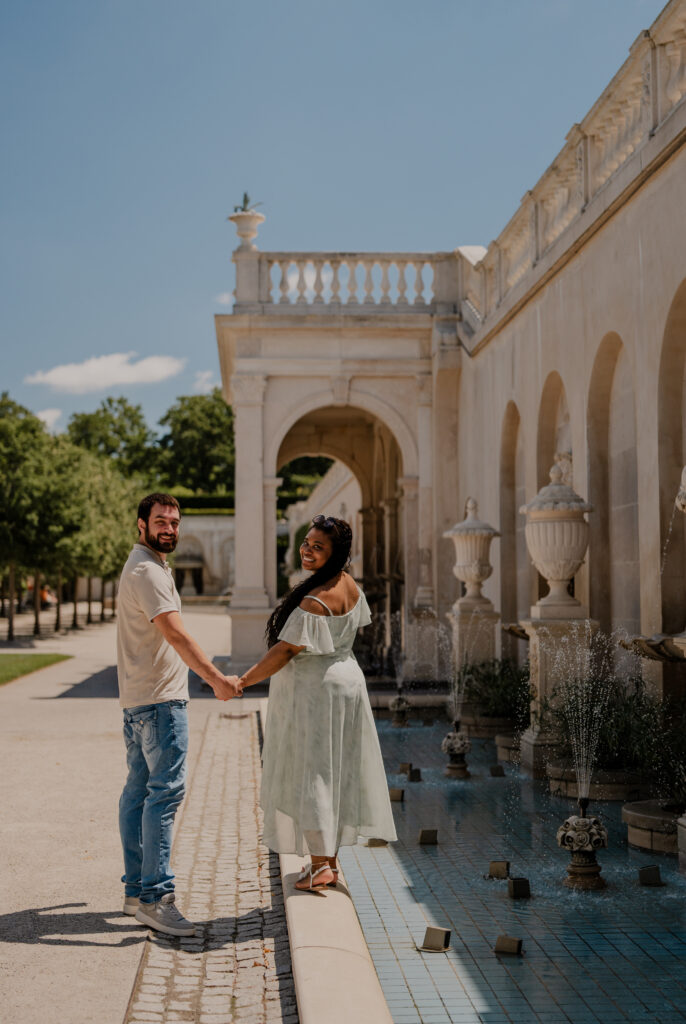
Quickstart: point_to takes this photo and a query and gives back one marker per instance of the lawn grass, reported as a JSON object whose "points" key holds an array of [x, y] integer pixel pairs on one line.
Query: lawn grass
{"points": [[14, 665]]}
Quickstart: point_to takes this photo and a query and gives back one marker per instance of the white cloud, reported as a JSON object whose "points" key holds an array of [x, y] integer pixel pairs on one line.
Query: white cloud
{"points": [[102, 372], [224, 299], [49, 417], [204, 381]]}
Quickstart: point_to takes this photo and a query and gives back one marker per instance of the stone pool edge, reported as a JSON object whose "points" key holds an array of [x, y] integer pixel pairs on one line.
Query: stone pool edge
{"points": [[335, 978]]}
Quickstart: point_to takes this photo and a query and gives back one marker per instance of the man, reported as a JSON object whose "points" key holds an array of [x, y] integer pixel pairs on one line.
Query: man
{"points": [[154, 652]]}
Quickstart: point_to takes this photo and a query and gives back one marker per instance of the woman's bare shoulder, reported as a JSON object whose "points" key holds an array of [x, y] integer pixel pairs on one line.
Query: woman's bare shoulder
{"points": [[314, 607]]}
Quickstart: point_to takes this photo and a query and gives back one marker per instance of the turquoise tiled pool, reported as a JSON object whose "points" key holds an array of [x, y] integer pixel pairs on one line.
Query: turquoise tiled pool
{"points": [[616, 955]]}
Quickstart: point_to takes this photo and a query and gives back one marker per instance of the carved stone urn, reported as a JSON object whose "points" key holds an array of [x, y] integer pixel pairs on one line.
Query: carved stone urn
{"points": [[472, 539], [557, 538], [582, 837], [456, 745], [247, 222]]}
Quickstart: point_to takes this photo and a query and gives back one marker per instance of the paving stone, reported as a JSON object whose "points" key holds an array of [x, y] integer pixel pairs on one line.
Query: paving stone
{"points": [[223, 874]]}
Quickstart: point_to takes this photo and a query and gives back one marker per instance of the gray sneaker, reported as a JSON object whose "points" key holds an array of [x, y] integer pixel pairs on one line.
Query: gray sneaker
{"points": [[164, 917], [131, 905]]}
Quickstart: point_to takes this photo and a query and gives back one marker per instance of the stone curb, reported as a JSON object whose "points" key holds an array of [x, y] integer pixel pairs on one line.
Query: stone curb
{"points": [[335, 978]]}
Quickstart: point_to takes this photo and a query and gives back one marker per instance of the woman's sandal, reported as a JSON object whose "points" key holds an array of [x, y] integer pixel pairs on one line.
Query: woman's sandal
{"points": [[308, 876]]}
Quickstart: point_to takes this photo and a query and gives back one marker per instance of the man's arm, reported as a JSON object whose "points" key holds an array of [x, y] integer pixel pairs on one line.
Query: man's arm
{"points": [[170, 625]]}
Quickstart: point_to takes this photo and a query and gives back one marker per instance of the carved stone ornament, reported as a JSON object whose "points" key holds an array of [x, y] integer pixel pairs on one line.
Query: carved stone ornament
{"points": [[582, 834], [248, 389], [456, 743], [582, 837], [341, 389]]}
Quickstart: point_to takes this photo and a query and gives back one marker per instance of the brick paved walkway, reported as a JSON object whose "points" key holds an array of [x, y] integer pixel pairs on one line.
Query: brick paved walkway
{"points": [[237, 968], [589, 958]]}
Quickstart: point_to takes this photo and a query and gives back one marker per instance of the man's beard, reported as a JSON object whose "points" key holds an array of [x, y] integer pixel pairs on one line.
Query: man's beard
{"points": [[165, 546]]}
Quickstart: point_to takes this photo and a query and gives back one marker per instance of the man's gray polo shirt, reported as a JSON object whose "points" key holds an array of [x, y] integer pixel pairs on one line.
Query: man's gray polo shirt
{"points": [[150, 671]]}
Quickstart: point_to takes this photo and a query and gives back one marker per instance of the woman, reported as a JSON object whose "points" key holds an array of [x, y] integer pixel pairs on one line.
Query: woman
{"points": [[323, 781]]}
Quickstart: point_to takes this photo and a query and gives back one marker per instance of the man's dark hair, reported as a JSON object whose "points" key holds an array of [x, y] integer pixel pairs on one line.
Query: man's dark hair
{"points": [[155, 499]]}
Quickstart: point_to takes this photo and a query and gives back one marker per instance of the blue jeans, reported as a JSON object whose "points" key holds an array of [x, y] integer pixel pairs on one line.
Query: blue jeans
{"points": [[156, 737]]}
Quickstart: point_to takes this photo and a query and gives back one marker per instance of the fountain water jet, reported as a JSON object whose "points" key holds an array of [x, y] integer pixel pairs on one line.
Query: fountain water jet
{"points": [[581, 669]]}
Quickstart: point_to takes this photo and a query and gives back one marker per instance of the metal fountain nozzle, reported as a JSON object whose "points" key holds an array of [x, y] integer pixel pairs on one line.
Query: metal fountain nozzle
{"points": [[583, 803]]}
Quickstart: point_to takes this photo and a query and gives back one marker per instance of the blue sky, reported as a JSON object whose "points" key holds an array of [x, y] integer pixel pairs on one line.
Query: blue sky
{"points": [[131, 127]]}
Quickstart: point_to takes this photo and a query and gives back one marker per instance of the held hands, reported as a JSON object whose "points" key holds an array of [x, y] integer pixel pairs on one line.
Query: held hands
{"points": [[228, 688]]}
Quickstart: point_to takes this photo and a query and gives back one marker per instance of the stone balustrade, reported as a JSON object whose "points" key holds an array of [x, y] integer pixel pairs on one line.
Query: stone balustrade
{"points": [[477, 283], [642, 96], [402, 280], [345, 283]]}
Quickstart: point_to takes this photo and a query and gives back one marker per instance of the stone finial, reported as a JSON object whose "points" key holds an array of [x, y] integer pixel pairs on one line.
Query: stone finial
{"points": [[247, 223]]}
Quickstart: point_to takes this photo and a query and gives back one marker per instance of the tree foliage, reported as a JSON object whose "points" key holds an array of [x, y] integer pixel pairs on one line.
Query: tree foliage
{"points": [[117, 429], [197, 450]]}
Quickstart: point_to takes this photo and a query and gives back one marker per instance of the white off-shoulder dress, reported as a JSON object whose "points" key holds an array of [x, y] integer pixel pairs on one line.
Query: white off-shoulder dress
{"points": [[323, 780]]}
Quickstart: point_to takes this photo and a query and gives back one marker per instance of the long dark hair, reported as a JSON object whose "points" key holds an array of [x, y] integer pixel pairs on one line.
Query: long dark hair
{"points": [[341, 538]]}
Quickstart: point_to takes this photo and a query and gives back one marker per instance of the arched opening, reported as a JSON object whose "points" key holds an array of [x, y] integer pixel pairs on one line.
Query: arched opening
{"points": [[613, 491], [515, 565], [370, 467], [554, 445], [554, 430], [672, 456]]}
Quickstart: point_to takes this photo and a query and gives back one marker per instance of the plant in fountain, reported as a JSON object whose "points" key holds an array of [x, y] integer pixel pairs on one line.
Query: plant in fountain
{"points": [[582, 667]]}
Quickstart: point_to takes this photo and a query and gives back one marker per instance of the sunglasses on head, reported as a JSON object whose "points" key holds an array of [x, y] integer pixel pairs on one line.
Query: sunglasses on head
{"points": [[326, 521]]}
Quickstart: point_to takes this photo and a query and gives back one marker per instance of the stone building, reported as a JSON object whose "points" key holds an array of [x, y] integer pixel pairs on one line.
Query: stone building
{"points": [[438, 376]]}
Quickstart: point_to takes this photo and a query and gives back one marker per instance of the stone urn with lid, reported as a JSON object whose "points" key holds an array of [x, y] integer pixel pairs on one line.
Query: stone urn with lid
{"points": [[472, 539], [557, 538]]}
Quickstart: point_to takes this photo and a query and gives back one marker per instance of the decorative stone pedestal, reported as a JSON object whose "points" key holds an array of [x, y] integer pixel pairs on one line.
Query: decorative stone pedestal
{"points": [[582, 837], [472, 617], [474, 624], [537, 747], [247, 635]]}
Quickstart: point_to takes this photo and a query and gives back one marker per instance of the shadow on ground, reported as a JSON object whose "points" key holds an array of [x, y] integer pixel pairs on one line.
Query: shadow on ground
{"points": [[102, 685], [43, 925]]}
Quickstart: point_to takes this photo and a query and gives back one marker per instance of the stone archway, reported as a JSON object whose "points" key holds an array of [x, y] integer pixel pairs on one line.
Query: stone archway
{"points": [[368, 448]]}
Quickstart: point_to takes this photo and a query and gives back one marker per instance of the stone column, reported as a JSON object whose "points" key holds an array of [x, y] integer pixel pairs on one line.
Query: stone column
{"points": [[424, 595], [369, 553], [249, 606], [390, 528], [270, 486]]}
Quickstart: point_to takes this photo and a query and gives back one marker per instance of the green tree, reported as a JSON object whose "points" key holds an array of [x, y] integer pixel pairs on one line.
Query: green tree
{"points": [[24, 470], [197, 450], [117, 429]]}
